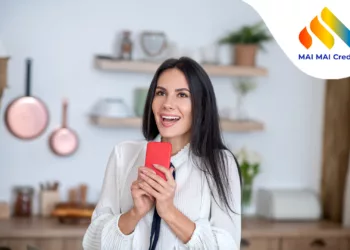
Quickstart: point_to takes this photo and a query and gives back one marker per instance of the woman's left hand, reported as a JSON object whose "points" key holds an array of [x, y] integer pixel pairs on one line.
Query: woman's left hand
{"points": [[163, 191]]}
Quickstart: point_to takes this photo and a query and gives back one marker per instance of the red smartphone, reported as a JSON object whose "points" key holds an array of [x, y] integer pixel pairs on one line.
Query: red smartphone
{"points": [[158, 153]]}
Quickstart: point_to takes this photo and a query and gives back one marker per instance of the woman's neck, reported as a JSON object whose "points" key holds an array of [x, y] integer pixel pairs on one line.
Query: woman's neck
{"points": [[177, 143]]}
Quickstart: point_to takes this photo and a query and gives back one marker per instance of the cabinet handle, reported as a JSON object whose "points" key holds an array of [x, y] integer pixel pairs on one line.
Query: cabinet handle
{"points": [[245, 243], [318, 243]]}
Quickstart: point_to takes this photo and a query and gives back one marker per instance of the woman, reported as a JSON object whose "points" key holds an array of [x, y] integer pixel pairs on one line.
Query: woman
{"points": [[198, 206]]}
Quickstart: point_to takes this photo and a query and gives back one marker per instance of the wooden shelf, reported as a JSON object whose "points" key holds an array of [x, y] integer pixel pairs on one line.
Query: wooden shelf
{"points": [[151, 67], [241, 126], [136, 122], [132, 122]]}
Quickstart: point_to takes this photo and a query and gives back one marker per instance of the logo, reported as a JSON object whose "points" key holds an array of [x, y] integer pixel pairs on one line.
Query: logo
{"points": [[317, 42], [322, 33]]}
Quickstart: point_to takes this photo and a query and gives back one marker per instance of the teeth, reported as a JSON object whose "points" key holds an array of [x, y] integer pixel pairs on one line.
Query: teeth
{"points": [[171, 117]]}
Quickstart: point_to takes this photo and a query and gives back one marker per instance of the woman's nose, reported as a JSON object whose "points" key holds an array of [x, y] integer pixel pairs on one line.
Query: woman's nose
{"points": [[168, 103]]}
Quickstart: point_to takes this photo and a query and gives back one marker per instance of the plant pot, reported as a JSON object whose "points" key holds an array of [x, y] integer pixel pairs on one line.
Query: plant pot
{"points": [[244, 54]]}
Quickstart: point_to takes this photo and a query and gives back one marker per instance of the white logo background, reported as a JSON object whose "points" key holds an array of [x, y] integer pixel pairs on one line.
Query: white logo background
{"points": [[285, 20]]}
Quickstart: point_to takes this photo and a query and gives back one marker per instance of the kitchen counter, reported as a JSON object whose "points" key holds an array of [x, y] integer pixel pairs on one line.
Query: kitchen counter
{"points": [[251, 227], [255, 227], [38, 227], [257, 234]]}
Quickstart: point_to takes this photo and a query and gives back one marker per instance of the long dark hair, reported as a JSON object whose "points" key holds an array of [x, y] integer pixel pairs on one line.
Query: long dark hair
{"points": [[205, 141]]}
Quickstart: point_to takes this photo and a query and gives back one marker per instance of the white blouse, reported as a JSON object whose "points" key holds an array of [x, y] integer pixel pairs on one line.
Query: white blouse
{"points": [[215, 228]]}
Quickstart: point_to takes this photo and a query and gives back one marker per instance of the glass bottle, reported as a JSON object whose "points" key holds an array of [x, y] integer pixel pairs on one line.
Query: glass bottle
{"points": [[126, 46], [23, 201]]}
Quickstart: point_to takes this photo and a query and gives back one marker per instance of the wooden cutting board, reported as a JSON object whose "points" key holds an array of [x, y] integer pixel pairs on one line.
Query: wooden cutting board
{"points": [[4, 210], [3, 75], [346, 210]]}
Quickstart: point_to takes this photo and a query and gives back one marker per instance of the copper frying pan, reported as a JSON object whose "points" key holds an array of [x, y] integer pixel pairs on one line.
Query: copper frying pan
{"points": [[26, 117], [64, 141]]}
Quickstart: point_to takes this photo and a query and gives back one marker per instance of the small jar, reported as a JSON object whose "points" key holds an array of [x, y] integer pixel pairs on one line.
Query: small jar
{"points": [[126, 46], [23, 201]]}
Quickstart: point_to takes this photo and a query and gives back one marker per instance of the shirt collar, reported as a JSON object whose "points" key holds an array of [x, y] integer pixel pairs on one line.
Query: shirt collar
{"points": [[180, 156]]}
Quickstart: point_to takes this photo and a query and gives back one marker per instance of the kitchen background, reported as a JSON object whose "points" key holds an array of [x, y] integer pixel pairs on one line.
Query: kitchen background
{"points": [[63, 37]]}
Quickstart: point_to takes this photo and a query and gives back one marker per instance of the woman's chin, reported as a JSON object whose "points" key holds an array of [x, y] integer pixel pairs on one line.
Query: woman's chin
{"points": [[170, 131], [167, 133]]}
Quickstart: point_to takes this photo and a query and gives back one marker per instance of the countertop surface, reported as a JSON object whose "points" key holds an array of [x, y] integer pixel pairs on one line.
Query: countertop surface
{"points": [[37, 227]]}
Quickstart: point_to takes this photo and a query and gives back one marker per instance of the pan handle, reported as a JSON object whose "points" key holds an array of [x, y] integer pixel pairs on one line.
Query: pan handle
{"points": [[28, 76], [64, 113]]}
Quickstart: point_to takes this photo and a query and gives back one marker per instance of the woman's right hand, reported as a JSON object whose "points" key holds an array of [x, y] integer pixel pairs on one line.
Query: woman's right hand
{"points": [[143, 202]]}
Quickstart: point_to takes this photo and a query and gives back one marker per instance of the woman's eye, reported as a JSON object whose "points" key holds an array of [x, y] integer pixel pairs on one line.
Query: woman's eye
{"points": [[183, 95], [159, 93]]}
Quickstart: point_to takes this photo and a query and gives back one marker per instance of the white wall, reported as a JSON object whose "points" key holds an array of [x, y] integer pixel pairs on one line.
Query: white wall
{"points": [[63, 36]]}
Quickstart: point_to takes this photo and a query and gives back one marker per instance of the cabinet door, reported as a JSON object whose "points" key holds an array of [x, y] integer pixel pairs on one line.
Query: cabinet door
{"points": [[322, 243], [4, 244], [259, 244], [42, 244], [50, 244], [73, 244], [22, 244]]}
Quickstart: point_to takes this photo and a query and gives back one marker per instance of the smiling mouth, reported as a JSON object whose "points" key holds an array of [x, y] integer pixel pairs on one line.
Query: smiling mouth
{"points": [[170, 118], [168, 121]]}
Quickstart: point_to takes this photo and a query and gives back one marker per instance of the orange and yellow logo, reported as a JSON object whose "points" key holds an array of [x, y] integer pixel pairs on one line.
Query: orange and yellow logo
{"points": [[322, 33]]}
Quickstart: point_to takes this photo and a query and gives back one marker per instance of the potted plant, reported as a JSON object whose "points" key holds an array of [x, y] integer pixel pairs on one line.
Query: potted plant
{"points": [[246, 41], [249, 162]]}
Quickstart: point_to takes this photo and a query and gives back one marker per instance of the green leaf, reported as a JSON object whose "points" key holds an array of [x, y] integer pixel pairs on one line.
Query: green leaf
{"points": [[254, 34]]}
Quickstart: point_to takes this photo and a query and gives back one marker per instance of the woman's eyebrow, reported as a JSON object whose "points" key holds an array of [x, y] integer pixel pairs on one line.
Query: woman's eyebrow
{"points": [[182, 89], [177, 90], [162, 88]]}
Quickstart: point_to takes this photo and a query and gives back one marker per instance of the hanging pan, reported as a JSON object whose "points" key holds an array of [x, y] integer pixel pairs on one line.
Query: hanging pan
{"points": [[26, 117], [63, 141]]}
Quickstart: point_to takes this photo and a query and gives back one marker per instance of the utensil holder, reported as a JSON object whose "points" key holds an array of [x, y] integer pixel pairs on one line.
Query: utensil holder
{"points": [[48, 200]]}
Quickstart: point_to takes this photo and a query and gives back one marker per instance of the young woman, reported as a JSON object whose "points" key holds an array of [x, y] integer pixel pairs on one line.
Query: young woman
{"points": [[198, 206]]}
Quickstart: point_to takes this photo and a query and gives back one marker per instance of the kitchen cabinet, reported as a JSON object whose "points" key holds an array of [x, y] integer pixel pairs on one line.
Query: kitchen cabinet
{"points": [[259, 244], [40, 234], [299, 243], [311, 243], [42, 244], [257, 234]]}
